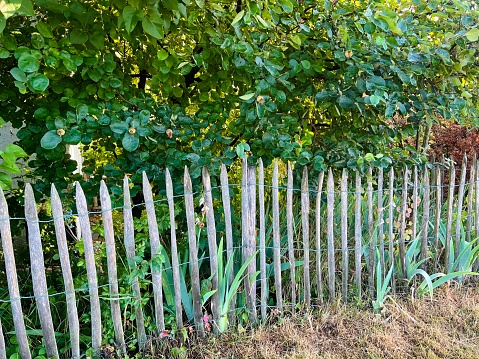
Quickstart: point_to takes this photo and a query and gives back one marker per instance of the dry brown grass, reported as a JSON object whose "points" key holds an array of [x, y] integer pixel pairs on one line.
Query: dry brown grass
{"points": [[446, 327]]}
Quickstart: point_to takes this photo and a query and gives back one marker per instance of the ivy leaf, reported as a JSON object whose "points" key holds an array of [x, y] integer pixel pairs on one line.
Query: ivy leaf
{"points": [[130, 142], [28, 63], [39, 82], [50, 140]]}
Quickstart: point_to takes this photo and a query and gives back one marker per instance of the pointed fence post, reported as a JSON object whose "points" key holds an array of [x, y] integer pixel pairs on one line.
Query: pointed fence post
{"points": [[358, 241], [90, 268], [372, 242], [402, 234], [72, 313], [450, 207], [470, 196], [129, 240], [391, 225], [276, 239], [262, 240], [319, 275], [213, 248], [344, 234], [425, 216], [193, 248], [460, 202], [174, 252], [305, 209], [331, 259], [40, 288], [381, 221], [155, 250], [106, 214], [290, 233], [3, 350], [12, 279]]}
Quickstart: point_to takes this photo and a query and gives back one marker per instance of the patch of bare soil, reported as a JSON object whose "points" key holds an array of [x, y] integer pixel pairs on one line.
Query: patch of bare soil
{"points": [[445, 327]]}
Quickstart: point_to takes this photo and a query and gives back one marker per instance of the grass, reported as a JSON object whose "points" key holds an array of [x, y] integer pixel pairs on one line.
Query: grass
{"points": [[445, 327]]}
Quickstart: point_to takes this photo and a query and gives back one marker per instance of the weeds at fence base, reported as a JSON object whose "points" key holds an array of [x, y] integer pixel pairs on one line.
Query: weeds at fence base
{"points": [[445, 327]]}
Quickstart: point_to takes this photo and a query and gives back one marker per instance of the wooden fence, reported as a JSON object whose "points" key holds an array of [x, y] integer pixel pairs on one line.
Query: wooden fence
{"points": [[358, 228]]}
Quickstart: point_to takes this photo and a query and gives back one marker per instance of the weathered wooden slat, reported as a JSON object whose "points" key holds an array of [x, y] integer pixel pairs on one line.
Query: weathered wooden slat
{"points": [[174, 251], [193, 249], [381, 221], [402, 234], [450, 204], [39, 280], [331, 259], [3, 349], [212, 246], [290, 233], [129, 240], [476, 210], [225, 196], [470, 197], [12, 279], [251, 243], [319, 274], [437, 212], [276, 239], [155, 250], [305, 210], [372, 242], [459, 209], [111, 264], [344, 234], [391, 225], [72, 313], [425, 216], [358, 241], [262, 240], [414, 213]]}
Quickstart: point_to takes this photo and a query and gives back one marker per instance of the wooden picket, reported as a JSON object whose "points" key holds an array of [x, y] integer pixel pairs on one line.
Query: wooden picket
{"points": [[375, 222]]}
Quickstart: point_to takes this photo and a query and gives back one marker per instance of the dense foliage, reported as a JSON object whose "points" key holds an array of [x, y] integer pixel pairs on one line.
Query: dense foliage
{"points": [[172, 83]]}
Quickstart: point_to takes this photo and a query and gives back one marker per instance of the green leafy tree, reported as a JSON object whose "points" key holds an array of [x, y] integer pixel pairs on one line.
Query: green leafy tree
{"points": [[174, 83]]}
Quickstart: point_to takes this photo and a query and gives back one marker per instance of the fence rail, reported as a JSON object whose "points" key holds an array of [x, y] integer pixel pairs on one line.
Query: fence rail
{"points": [[346, 231]]}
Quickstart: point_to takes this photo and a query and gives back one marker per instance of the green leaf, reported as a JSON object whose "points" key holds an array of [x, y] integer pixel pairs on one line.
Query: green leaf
{"points": [[3, 23], [39, 82], [130, 142], [4, 53], [78, 37], [306, 64], [162, 55], [115, 82], [16, 150], [5, 181], [119, 127], [45, 30], [472, 35], [18, 74], [345, 102], [247, 97], [9, 7], [26, 8], [280, 96], [238, 18], [72, 137], [374, 99], [50, 140], [28, 63], [151, 29], [130, 18]]}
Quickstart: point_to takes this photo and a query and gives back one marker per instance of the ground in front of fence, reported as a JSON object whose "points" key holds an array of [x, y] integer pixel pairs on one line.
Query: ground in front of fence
{"points": [[446, 327]]}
